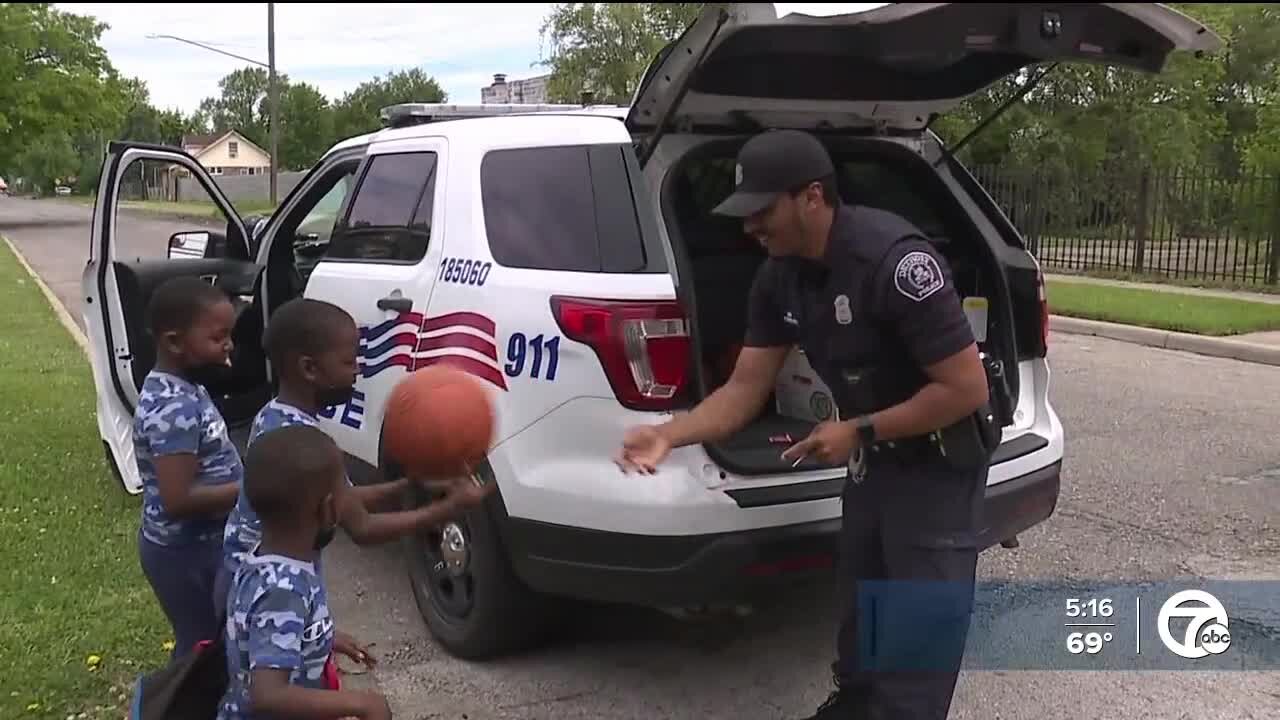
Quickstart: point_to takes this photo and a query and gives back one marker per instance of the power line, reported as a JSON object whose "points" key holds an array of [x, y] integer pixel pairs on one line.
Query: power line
{"points": [[210, 48]]}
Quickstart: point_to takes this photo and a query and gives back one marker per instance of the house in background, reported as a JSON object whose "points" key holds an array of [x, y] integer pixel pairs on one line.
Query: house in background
{"points": [[528, 91], [227, 153]]}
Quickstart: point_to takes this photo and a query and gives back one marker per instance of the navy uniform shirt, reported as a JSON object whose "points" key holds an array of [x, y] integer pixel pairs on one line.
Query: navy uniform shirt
{"points": [[871, 315], [881, 301]]}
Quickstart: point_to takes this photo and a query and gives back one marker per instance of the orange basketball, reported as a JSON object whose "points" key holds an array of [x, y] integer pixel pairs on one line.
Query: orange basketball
{"points": [[438, 421]]}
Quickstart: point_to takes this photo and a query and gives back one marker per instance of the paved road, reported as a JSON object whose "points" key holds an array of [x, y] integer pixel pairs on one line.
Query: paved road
{"points": [[1173, 468], [54, 236]]}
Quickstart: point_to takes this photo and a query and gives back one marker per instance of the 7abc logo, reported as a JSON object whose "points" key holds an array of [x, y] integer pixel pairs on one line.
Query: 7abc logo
{"points": [[1207, 627]]}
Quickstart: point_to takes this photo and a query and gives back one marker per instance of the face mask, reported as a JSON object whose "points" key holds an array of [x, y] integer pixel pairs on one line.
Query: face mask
{"points": [[334, 396], [209, 374]]}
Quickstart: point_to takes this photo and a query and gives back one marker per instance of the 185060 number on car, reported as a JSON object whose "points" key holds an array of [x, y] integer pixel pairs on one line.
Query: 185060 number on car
{"points": [[465, 272]]}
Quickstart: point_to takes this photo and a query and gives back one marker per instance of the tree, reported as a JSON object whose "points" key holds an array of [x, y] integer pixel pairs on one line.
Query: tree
{"points": [[1199, 110], [604, 48], [58, 85], [306, 126], [140, 122], [48, 159], [244, 104], [309, 123], [358, 111], [1249, 83]]}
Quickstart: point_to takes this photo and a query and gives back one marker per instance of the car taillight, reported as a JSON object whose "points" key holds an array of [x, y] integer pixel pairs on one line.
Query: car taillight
{"points": [[1043, 296], [643, 346]]}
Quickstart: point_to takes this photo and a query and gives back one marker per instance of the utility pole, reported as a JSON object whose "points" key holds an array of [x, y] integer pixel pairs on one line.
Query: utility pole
{"points": [[274, 91]]}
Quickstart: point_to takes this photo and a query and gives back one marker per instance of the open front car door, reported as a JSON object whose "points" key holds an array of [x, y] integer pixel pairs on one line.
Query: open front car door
{"points": [[141, 237]]}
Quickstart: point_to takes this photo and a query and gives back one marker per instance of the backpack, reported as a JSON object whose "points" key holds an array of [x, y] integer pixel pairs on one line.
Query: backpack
{"points": [[191, 687], [188, 688]]}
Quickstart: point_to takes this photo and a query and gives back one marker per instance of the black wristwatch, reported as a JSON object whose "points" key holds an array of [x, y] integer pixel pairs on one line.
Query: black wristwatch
{"points": [[866, 431]]}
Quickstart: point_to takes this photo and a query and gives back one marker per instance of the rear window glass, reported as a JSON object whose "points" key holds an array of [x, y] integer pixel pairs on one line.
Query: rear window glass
{"points": [[562, 208]]}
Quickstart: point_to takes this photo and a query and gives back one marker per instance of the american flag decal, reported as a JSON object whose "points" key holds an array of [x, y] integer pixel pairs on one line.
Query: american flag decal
{"points": [[466, 340]]}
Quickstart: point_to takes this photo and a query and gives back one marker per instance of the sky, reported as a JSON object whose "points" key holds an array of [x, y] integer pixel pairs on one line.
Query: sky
{"points": [[334, 47]]}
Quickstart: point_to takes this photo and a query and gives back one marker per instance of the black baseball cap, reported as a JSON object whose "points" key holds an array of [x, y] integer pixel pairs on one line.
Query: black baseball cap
{"points": [[772, 163]]}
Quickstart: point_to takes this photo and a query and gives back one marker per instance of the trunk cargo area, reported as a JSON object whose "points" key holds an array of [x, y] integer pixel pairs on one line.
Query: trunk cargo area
{"points": [[723, 261]]}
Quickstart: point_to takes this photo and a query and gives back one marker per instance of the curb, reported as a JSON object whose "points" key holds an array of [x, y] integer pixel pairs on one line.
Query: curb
{"points": [[1169, 340], [63, 316]]}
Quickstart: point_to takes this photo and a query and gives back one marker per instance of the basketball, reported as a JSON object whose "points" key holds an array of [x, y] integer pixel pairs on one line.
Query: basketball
{"points": [[438, 421]]}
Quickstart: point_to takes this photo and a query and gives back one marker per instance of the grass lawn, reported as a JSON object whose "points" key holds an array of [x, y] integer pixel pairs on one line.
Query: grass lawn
{"points": [[1182, 312], [189, 209], [244, 207], [79, 621]]}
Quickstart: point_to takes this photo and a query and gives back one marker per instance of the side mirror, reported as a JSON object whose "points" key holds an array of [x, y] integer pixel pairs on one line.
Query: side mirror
{"points": [[189, 245], [255, 224]]}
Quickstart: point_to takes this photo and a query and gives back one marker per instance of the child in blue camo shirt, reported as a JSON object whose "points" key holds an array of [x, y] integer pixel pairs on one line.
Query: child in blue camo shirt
{"points": [[313, 348], [190, 470], [279, 631]]}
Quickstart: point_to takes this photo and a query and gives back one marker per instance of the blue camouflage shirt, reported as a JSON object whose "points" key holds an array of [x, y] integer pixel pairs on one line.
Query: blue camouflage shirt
{"points": [[277, 618], [176, 416], [244, 529]]}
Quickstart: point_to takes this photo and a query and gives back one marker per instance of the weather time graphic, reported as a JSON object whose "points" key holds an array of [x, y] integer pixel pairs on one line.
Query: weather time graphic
{"points": [[1206, 626]]}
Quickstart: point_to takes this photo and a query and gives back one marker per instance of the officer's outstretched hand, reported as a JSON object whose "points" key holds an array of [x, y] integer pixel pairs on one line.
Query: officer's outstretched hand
{"points": [[643, 447], [830, 442]]}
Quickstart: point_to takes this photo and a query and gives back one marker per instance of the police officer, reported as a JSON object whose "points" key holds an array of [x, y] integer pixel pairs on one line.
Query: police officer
{"points": [[873, 306]]}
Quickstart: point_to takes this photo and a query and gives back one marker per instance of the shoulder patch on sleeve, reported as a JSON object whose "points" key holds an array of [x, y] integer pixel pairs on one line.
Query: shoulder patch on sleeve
{"points": [[918, 275]]}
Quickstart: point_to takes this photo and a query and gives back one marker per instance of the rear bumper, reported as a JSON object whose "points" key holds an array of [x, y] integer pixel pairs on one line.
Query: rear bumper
{"points": [[1018, 504], [680, 570]]}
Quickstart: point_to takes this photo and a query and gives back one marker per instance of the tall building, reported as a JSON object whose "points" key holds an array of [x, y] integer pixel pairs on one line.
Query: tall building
{"points": [[529, 91]]}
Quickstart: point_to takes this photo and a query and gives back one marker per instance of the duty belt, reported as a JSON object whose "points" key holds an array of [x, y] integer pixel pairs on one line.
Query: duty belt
{"points": [[906, 451]]}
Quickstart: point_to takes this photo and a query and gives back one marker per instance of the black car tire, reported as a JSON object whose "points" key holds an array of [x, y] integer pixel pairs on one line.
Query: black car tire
{"points": [[497, 614]]}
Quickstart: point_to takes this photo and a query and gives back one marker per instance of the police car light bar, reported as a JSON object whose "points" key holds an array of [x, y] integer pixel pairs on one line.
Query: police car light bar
{"points": [[409, 114]]}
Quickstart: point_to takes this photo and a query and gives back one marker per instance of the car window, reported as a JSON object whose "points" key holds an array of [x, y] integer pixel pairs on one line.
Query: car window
{"points": [[380, 223], [318, 224], [562, 208]]}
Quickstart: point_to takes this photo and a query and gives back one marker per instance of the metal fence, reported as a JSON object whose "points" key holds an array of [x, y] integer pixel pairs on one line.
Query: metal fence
{"points": [[1186, 224]]}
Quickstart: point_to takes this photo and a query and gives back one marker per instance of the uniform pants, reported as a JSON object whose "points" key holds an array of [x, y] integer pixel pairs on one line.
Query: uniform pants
{"points": [[182, 579], [907, 568]]}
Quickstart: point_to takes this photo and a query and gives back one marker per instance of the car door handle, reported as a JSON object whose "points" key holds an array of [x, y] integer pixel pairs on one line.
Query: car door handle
{"points": [[401, 304]]}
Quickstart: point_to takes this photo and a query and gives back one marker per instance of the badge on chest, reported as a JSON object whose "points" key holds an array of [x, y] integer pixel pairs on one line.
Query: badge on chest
{"points": [[844, 314]]}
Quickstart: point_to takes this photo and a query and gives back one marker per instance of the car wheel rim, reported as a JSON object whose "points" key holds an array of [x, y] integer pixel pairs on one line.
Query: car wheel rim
{"points": [[449, 578]]}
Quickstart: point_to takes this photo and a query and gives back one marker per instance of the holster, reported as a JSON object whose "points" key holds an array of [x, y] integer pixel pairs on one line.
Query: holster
{"points": [[964, 445], [999, 395], [969, 442]]}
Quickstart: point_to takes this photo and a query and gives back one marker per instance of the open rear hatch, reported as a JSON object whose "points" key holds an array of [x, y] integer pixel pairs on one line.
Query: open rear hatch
{"points": [[739, 68]]}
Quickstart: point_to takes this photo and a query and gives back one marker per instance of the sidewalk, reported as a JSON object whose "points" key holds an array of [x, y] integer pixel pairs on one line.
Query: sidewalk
{"points": [[1256, 347]]}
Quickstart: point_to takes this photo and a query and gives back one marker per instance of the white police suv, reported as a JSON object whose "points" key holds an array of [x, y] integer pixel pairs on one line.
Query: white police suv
{"points": [[567, 257]]}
